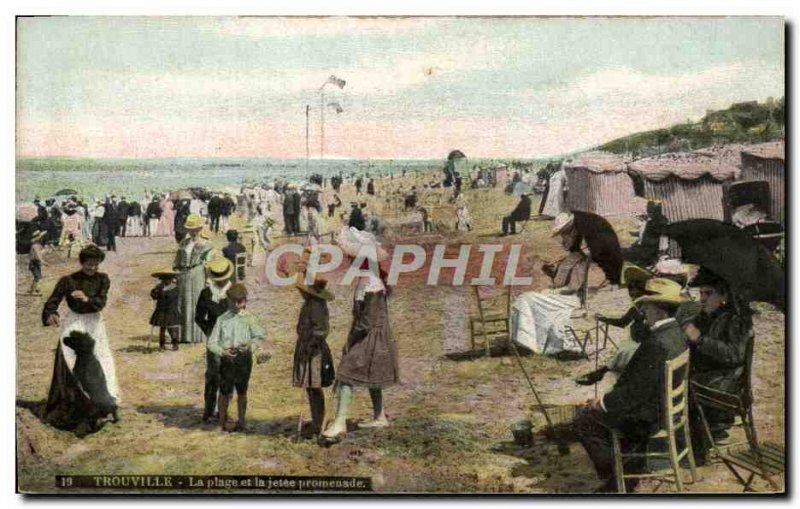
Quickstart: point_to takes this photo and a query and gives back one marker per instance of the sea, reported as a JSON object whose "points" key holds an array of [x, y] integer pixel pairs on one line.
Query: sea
{"points": [[94, 178]]}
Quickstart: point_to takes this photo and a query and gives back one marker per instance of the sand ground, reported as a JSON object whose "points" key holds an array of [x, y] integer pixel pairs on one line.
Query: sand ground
{"points": [[450, 416]]}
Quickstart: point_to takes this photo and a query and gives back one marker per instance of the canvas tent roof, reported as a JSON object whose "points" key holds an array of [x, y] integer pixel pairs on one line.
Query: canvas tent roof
{"points": [[598, 162], [683, 165], [769, 150]]}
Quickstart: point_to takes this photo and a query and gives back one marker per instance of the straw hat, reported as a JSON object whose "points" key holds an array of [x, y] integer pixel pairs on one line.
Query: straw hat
{"points": [[631, 272], [351, 240], [219, 269], [38, 234], [163, 274], [193, 222], [318, 289], [661, 291], [563, 221]]}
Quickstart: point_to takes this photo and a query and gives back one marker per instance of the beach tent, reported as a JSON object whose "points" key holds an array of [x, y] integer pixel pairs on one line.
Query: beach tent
{"points": [[598, 183], [766, 161], [689, 185]]}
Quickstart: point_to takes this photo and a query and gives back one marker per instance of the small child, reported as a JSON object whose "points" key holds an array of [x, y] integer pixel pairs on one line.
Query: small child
{"points": [[230, 251], [35, 261], [166, 316], [236, 334]]}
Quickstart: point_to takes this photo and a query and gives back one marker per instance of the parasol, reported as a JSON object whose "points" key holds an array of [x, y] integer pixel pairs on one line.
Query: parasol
{"points": [[66, 192], [602, 241], [456, 154], [748, 268]]}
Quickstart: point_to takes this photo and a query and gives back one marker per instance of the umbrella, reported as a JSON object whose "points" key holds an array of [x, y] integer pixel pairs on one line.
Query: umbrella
{"points": [[748, 268], [66, 192], [456, 154], [602, 241]]}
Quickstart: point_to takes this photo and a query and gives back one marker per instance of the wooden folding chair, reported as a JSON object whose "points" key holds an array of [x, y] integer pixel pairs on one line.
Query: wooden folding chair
{"points": [[490, 322], [675, 414], [764, 460]]}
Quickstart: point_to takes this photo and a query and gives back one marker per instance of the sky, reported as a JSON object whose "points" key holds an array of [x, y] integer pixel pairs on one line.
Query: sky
{"points": [[415, 87]]}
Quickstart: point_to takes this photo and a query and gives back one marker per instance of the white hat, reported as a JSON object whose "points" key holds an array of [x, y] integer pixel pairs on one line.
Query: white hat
{"points": [[563, 221], [351, 240]]}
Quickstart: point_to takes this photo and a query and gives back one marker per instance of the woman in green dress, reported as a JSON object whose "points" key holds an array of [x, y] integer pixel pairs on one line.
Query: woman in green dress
{"points": [[193, 252]]}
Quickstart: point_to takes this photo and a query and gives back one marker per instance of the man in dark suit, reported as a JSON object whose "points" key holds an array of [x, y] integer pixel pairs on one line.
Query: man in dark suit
{"points": [[633, 406], [291, 210], [522, 212], [122, 217], [226, 208], [153, 214], [111, 222], [214, 208]]}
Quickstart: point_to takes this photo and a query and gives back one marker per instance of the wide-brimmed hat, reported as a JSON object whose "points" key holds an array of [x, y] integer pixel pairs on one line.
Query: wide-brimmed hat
{"points": [[38, 234], [563, 221], [351, 240], [194, 222], [631, 272], [661, 291], [164, 274], [318, 289], [219, 269]]}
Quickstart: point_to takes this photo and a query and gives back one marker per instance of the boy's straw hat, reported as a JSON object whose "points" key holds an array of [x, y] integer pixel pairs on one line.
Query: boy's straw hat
{"points": [[631, 272], [193, 222], [219, 269], [563, 221]]}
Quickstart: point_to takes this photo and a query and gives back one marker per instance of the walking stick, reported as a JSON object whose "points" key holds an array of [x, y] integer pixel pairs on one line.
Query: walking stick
{"points": [[299, 419], [563, 447]]}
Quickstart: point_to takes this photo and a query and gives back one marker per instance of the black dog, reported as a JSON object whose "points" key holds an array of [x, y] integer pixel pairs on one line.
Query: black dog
{"points": [[89, 374]]}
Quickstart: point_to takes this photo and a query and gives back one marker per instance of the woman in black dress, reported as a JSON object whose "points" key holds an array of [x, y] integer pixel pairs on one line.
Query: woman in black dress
{"points": [[80, 394]]}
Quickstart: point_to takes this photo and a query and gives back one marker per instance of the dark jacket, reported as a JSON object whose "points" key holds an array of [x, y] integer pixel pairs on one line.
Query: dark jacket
{"points": [[153, 210], [95, 287], [634, 404], [214, 206], [230, 251], [313, 362], [522, 212], [166, 313], [718, 357], [227, 206], [207, 311], [357, 219], [134, 209]]}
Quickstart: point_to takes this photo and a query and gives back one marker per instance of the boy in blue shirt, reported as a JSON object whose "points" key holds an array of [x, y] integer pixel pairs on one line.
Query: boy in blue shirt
{"points": [[236, 334]]}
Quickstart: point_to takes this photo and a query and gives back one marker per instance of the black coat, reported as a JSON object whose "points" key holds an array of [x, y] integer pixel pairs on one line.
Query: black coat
{"points": [[357, 219], [153, 210], [167, 313], [522, 212], [214, 206], [227, 206], [718, 357], [207, 311], [89, 373], [134, 209], [634, 404]]}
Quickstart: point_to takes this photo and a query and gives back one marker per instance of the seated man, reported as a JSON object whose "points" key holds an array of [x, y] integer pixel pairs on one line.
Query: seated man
{"points": [[718, 339], [633, 406], [635, 278], [522, 212], [539, 318]]}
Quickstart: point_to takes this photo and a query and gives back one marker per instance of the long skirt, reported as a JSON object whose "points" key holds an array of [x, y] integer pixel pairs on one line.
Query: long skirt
{"points": [[68, 403], [190, 284], [540, 318]]}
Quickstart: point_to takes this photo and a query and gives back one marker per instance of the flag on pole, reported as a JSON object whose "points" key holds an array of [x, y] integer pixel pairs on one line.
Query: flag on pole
{"points": [[336, 106], [336, 81]]}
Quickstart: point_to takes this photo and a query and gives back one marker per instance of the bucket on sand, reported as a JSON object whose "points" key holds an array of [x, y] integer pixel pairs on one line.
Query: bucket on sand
{"points": [[523, 432]]}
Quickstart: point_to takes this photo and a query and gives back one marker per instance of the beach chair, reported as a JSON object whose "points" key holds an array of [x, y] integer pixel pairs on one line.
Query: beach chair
{"points": [[239, 266], [764, 460], [493, 318], [675, 414]]}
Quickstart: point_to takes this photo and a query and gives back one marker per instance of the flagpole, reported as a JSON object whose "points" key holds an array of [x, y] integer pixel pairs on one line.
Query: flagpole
{"points": [[322, 121], [308, 109]]}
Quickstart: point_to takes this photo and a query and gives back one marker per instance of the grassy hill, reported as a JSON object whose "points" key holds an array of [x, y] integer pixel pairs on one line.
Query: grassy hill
{"points": [[748, 122]]}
